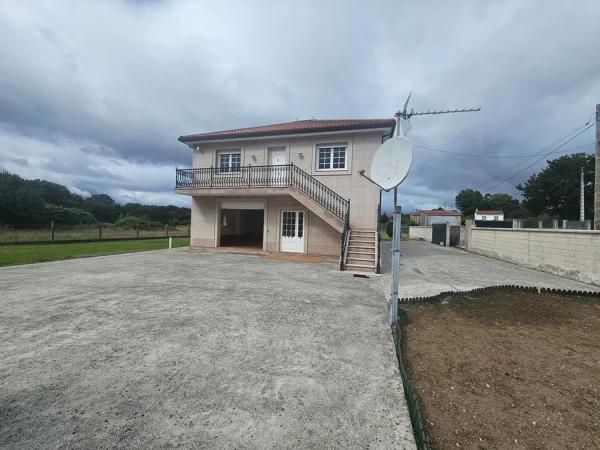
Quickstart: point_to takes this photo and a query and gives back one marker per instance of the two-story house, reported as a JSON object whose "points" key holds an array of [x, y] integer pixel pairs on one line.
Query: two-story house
{"points": [[290, 187]]}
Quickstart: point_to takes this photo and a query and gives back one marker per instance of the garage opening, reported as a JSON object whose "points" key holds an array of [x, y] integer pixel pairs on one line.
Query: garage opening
{"points": [[242, 228]]}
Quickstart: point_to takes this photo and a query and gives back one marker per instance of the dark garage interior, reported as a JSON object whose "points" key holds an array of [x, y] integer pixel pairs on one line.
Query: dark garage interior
{"points": [[242, 228]]}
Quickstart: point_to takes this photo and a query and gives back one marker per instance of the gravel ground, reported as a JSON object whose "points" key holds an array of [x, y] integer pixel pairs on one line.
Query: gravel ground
{"points": [[175, 348]]}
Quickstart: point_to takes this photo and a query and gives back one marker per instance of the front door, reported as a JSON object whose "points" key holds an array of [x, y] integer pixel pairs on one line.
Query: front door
{"points": [[277, 174], [292, 231]]}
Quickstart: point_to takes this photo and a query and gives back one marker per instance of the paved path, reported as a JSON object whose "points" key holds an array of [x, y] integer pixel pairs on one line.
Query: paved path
{"points": [[428, 269], [171, 348]]}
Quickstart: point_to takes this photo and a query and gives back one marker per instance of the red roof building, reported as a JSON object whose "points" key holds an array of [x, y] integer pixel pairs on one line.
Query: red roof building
{"points": [[291, 128]]}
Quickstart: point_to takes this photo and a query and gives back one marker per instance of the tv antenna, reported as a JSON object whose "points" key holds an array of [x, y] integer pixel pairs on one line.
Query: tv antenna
{"points": [[403, 116], [386, 168]]}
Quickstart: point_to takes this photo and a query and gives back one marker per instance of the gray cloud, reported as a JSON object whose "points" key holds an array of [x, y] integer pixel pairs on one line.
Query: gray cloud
{"points": [[94, 94]]}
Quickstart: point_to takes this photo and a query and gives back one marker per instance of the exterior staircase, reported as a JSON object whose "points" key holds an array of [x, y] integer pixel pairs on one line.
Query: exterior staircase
{"points": [[359, 248], [362, 251]]}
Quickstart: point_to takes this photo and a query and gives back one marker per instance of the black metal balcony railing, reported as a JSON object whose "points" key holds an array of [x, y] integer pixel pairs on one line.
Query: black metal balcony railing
{"points": [[287, 175]]}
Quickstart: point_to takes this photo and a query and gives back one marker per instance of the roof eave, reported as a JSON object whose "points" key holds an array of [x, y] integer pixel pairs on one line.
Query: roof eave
{"points": [[199, 139]]}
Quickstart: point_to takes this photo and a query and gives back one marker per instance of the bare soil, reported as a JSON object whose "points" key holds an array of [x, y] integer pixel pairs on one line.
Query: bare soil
{"points": [[509, 369]]}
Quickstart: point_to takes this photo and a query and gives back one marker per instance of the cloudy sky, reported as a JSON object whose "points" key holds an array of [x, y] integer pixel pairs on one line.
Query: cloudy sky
{"points": [[93, 94]]}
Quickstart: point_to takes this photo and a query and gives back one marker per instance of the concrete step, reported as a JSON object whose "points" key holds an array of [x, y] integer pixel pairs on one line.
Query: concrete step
{"points": [[361, 241], [360, 247], [361, 252], [355, 260], [361, 267]]}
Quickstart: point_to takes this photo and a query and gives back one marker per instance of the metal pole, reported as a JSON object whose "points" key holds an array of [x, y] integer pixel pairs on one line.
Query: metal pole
{"points": [[397, 218], [597, 181], [582, 198]]}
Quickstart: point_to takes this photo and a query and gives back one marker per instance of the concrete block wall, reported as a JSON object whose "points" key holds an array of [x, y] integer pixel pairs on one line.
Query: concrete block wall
{"points": [[420, 233], [573, 254]]}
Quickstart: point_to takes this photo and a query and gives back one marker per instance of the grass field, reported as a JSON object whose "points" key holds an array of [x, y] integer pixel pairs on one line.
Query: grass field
{"points": [[31, 253], [82, 233]]}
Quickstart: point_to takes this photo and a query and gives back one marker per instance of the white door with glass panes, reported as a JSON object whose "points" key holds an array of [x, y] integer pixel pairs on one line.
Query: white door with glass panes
{"points": [[292, 231], [277, 175]]}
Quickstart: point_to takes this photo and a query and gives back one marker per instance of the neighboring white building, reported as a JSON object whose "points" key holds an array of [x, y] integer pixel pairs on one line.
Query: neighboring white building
{"points": [[489, 214]]}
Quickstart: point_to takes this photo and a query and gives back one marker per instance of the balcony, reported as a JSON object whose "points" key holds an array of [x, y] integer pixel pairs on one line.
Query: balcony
{"points": [[286, 176]]}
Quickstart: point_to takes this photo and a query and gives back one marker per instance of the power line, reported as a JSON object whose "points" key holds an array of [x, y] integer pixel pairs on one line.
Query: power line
{"points": [[476, 155], [588, 122], [539, 159]]}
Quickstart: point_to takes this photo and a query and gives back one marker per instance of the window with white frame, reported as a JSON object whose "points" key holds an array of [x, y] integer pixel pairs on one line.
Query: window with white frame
{"points": [[229, 161], [332, 156]]}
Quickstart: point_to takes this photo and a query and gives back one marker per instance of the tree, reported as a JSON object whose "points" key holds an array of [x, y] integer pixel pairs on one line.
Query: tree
{"points": [[467, 201], [103, 207], [511, 207], [555, 189]]}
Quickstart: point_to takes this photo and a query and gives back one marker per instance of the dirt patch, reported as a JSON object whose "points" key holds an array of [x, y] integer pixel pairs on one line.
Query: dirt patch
{"points": [[507, 370]]}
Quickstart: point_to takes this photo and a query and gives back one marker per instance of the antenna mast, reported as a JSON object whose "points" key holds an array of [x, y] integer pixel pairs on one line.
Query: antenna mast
{"points": [[403, 126], [403, 116]]}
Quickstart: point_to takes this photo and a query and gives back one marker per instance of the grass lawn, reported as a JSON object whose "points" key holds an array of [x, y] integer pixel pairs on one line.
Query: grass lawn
{"points": [[30, 253], [384, 235]]}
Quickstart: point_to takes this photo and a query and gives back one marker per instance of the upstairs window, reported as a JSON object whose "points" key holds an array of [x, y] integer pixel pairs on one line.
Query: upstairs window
{"points": [[229, 161], [332, 157]]}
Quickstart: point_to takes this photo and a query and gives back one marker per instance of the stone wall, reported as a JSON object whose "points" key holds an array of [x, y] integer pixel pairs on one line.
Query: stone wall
{"points": [[572, 254], [420, 233]]}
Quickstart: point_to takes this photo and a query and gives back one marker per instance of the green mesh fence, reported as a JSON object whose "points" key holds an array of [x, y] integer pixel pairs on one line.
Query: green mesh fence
{"points": [[414, 411]]}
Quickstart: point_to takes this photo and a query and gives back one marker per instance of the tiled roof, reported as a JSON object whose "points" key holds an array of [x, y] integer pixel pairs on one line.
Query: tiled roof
{"points": [[440, 212], [297, 127]]}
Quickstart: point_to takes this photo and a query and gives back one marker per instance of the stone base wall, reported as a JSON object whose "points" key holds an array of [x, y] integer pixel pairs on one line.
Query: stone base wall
{"points": [[572, 254], [420, 233]]}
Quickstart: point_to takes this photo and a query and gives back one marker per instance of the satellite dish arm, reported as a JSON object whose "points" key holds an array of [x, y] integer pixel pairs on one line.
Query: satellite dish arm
{"points": [[362, 174]]}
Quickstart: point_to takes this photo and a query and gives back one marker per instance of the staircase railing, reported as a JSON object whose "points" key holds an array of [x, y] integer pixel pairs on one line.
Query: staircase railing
{"points": [[264, 176], [345, 239]]}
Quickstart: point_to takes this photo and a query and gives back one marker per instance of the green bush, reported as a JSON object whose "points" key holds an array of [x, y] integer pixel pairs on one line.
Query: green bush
{"points": [[389, 228], [63, 215], [129, 222]]}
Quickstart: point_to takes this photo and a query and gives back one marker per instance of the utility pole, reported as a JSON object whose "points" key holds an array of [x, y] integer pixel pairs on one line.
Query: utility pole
{"points": [[597, 176], [582, 197]]}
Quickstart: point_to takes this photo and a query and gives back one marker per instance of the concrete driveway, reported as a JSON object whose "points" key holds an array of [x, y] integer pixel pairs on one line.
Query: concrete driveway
{"points": [[171, 348], [428, 269]]}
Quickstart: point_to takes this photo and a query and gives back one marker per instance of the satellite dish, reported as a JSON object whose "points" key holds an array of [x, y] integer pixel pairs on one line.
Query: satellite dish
{"points": [[392, 162]]}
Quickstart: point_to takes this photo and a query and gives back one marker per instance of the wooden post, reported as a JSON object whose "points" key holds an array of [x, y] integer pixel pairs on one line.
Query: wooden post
{"points": [[100, 231], [137, 230], [597, 181], [167, 229], [52, 230], [190, 230]]}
